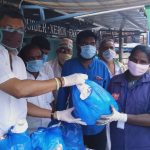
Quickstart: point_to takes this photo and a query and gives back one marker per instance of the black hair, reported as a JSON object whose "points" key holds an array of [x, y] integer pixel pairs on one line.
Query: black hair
{"points": [[41, 42], [10, 11], [25, 50], [85, 34], [142, 48]]}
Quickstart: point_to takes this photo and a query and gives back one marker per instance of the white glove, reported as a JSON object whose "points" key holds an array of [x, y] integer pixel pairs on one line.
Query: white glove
{"points": [[74, 79], [115, 116], [85, 90], [65, 115], [20, 127]]}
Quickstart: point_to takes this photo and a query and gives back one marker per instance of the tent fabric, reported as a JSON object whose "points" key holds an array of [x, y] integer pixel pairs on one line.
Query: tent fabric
{"points": [[88, 5]]}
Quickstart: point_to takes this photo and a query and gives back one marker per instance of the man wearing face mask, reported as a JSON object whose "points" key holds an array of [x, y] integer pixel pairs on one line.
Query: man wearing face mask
{"points": [[14, 85], [96, 70], [108, 55], [32, 57], [43, 44], [130, 128]]}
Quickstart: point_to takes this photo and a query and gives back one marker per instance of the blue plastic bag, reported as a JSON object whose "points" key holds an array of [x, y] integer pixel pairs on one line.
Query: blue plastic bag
{"points": [[16, 141], [72, 136], [47, 139], [4, 143], [19, 141], [96, 104]]}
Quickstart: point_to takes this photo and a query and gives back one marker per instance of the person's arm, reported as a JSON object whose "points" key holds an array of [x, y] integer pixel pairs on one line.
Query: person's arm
{"points": [[36, 111], [65, 115], [27, 88], [140, 120]]}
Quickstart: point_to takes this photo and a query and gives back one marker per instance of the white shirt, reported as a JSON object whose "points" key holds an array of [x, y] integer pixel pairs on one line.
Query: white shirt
{"points": [[11, 108], [42, 101], [52, 66], [119, 68]]}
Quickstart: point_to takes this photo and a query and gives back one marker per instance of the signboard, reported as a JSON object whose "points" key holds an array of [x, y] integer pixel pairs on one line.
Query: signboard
{"points": [[50, 29]]}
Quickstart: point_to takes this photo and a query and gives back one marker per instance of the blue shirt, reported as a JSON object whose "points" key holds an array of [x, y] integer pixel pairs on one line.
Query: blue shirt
{"points": [[131, 100], [96, 69]]}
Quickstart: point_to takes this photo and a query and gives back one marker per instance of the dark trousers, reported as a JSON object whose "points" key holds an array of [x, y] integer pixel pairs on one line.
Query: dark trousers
{"points": [[97, 142]]}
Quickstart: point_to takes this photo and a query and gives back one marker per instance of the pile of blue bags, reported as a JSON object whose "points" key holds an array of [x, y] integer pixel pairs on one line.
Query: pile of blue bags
{"points": [[64, 136], [96, 104]]}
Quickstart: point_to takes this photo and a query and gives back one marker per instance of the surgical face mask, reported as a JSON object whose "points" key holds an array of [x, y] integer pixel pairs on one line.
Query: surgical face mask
{"points": [[88, 51], [11, 38], [137, 69], [109, 55], [44, 58], [62, 57], [34, 65]]}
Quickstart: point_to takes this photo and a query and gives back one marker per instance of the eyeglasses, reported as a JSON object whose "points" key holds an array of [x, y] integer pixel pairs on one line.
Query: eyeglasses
{"points": [[9, 29], [64, 50]]}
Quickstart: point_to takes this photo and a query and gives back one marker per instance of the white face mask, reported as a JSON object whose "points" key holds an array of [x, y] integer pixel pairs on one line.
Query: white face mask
{"points": [[109, 54], [63, 57], [137, 69]]}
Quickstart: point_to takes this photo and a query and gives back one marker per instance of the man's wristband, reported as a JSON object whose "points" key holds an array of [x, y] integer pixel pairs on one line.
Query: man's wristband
{"points": [[53, 115]]}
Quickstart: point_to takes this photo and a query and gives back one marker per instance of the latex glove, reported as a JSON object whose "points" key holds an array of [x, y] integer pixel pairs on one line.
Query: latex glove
{"points": [[20, 127], [65, 115], [74, 79], [115, 116], [85, 90]]}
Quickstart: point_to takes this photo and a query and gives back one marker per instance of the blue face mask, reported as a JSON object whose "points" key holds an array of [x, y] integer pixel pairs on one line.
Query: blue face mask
{"points": [[88, 51], [44, 58], [109, 54], [34, 65]]}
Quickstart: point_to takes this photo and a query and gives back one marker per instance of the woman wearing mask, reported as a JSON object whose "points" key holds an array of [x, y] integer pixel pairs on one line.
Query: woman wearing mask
{"points": [[32, 56], [130, 128], [108, 55]]}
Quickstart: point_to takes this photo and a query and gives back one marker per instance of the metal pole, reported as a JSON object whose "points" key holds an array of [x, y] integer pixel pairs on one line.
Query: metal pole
{"points": [[120, 46]]}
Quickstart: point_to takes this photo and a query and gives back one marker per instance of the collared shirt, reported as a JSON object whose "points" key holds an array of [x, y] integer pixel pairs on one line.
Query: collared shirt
{"points": [[11, 108], [96, 70], [42, 101], [134, 100]]}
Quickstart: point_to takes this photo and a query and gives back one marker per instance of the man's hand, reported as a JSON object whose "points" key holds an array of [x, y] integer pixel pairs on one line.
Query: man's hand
{"points": [[74, 79], [65, 115], [115, 116]]}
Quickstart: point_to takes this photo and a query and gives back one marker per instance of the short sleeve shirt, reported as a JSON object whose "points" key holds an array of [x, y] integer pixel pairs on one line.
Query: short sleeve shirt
{"points": [[11, 108]]}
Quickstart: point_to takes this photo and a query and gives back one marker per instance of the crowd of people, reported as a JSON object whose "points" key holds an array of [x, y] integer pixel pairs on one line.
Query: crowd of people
{"points": [[37, 89]]}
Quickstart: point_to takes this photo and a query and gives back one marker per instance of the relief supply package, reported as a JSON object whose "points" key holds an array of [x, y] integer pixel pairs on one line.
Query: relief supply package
{"points": [[47, 139], [72, 136], [17, 138], [91, 101]]}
